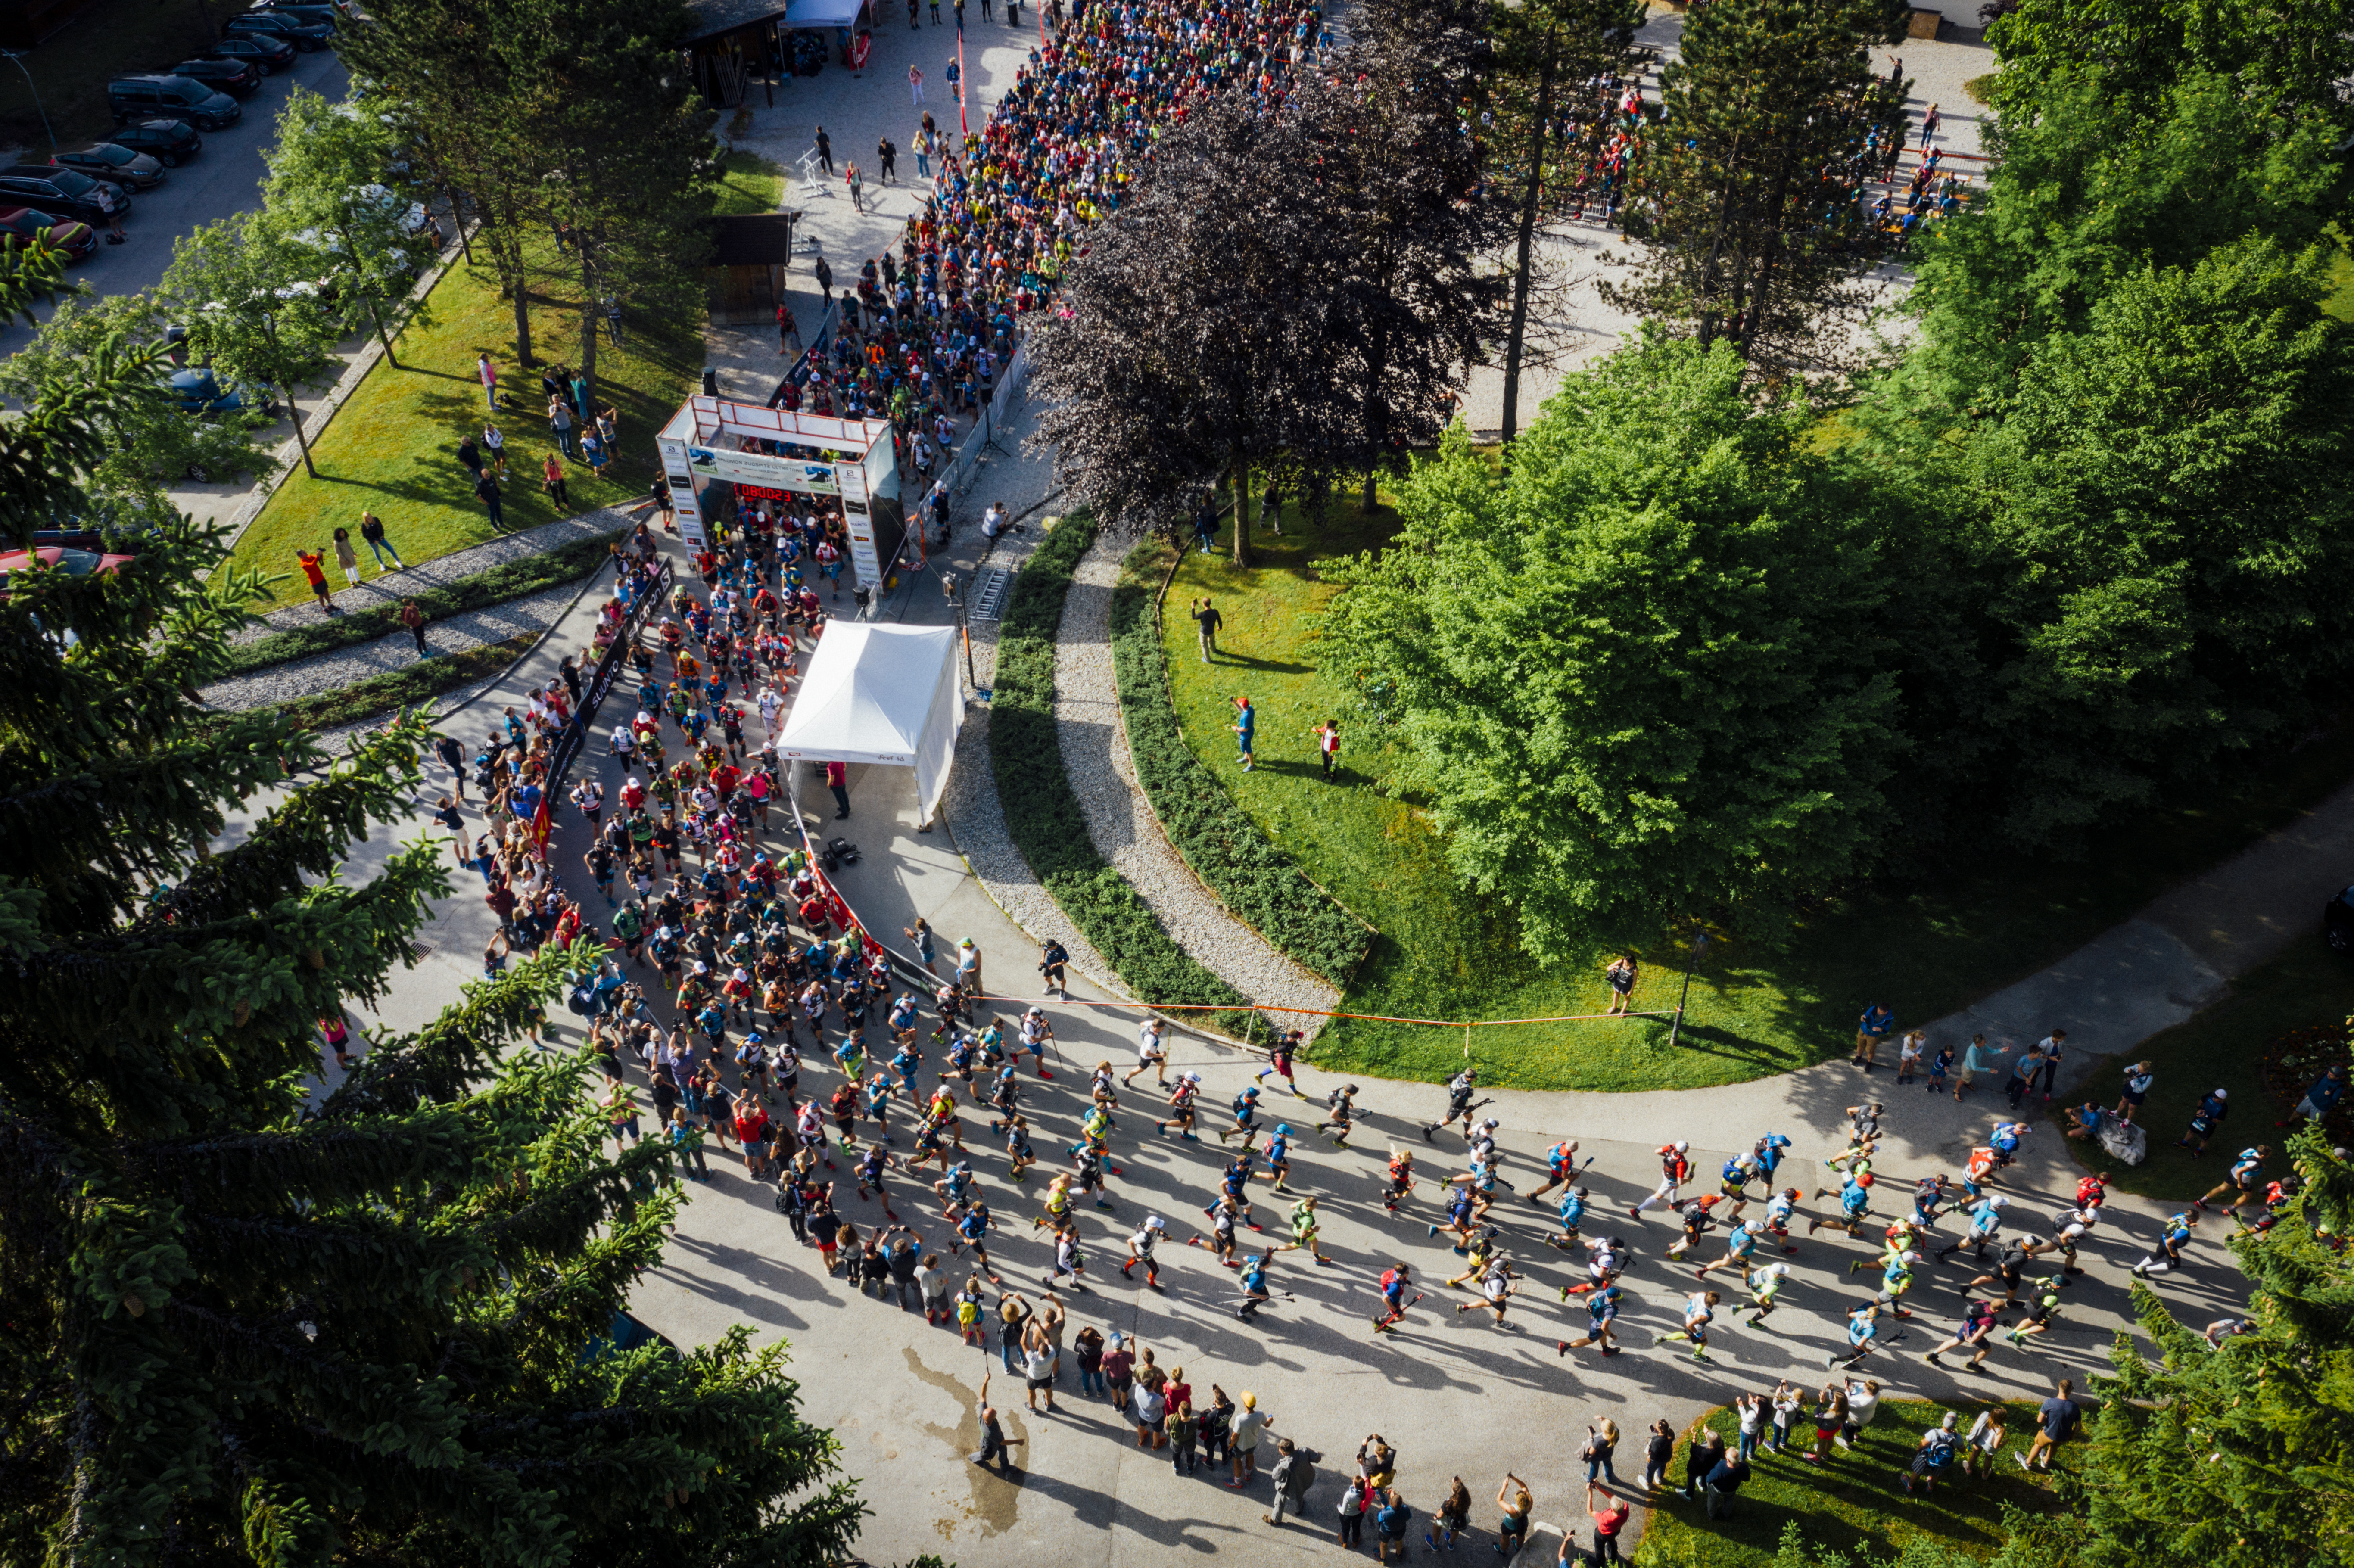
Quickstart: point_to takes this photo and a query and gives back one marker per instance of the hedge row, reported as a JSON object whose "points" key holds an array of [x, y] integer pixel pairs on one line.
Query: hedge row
{"points": [[404, 688], [510, 579], [1042, 812], [1257, 881]]}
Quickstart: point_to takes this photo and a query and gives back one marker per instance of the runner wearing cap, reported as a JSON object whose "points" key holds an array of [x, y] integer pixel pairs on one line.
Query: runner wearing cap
{"points": [[1181, 1107]]}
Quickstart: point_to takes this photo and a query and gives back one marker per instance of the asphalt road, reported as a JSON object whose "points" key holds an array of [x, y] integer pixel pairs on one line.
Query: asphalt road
{"points": [[225, 178]]}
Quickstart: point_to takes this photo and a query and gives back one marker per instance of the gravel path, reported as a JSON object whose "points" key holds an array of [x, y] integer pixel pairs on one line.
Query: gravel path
{"points": [[378, 589], [976, 820], [1120, 821], [342, 666]]}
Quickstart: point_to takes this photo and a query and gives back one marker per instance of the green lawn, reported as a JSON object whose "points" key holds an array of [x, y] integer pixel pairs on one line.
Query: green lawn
{"points": [[1854, 1503], [392, 448], [1924, 950], [2224, 1048]]}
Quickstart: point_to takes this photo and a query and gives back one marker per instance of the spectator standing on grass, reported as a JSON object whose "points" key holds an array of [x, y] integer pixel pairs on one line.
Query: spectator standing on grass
{"points": [[2319, 1101], [489, 376], [412, 616], [313, 564], [470, 455], [486, 491], [559, 420], [1206, 621], [347, 557], [552, 482], [372, 531], [494, 444]]}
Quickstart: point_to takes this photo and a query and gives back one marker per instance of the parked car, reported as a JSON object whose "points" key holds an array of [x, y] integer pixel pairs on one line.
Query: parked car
{"points": [[200, 391], [165, 141], [304, 36], [77, 563], [327, 17], [67, 192], [239, 78], [172, 97], [2338, 922], [76, 239], [267, 54], [114, 163]]}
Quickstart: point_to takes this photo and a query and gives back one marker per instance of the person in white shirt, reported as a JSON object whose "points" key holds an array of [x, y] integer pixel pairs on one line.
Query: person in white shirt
{"points": [[993, 522]]}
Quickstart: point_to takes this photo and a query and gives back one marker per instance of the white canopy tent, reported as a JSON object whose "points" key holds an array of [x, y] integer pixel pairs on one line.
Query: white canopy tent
{"points": [[821, 12], [881, 694]]}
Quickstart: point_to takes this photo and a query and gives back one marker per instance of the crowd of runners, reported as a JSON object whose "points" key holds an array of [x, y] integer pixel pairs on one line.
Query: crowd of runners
{"points": [[723, 983]]}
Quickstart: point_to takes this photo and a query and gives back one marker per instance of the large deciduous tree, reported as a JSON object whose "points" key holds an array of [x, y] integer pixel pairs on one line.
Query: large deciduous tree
{"points": [[326, 190], [1628, 678], [1396, 188], [1190, 342], [1747, 201], [2164, 532]]}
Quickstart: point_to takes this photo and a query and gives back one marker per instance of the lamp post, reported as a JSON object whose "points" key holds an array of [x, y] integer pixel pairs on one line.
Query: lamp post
{"points": [[1698, 945], [19, 55]]}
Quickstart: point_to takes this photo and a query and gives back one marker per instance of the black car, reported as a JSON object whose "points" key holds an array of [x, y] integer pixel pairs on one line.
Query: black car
{"points": [[326, 16], [69, 193], [165, 141], [2338, 922], [265, 53], [239, 78], [116, 163], [172, 97], [303, 35]]}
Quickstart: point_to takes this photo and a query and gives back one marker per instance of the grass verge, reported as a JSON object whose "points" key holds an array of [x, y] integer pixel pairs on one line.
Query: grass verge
{"points": [[421, 681], [392, 449], [748, 185], [2224, 1047], [510, 579], [1043, 815], [1225, 848], [1925, 949], [1854, 1504]]}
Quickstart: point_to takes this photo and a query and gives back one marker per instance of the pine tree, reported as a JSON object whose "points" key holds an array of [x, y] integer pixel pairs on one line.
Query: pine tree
{"points": [[1748, 196], [2207, 1457], [1556, 97], [243, 1325]]}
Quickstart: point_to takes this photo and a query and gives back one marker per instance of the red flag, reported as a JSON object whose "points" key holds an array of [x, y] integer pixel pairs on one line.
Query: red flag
{"points": [[964, 88]]}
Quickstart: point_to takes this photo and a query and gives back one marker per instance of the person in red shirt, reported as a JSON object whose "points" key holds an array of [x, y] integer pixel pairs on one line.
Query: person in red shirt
{"points": [[752, 1132], [725, 778], [634, 794], [313, 564], [837, 779], [1608, 1520]]}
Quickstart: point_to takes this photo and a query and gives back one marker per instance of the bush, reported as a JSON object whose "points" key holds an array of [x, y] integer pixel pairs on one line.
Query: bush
{"points": [[1225, 848], [1043, 815], [512, 579]]}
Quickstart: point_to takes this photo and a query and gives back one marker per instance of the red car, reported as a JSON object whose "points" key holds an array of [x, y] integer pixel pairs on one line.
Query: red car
{"points": [[79, 563], [76, 239]]}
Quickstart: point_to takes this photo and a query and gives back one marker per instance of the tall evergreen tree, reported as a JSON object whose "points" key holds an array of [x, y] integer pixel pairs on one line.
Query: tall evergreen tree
{"points": [[1745, 239], [244, 1325], [613, 117], [1555, 92], [2236, 1457]]}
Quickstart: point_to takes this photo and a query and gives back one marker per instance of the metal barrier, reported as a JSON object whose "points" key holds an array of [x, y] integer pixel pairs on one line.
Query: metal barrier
{"points": [[600, 682]]}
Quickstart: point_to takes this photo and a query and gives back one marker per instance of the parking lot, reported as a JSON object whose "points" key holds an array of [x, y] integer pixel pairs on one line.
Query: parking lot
{"points": [[226, 178]]}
